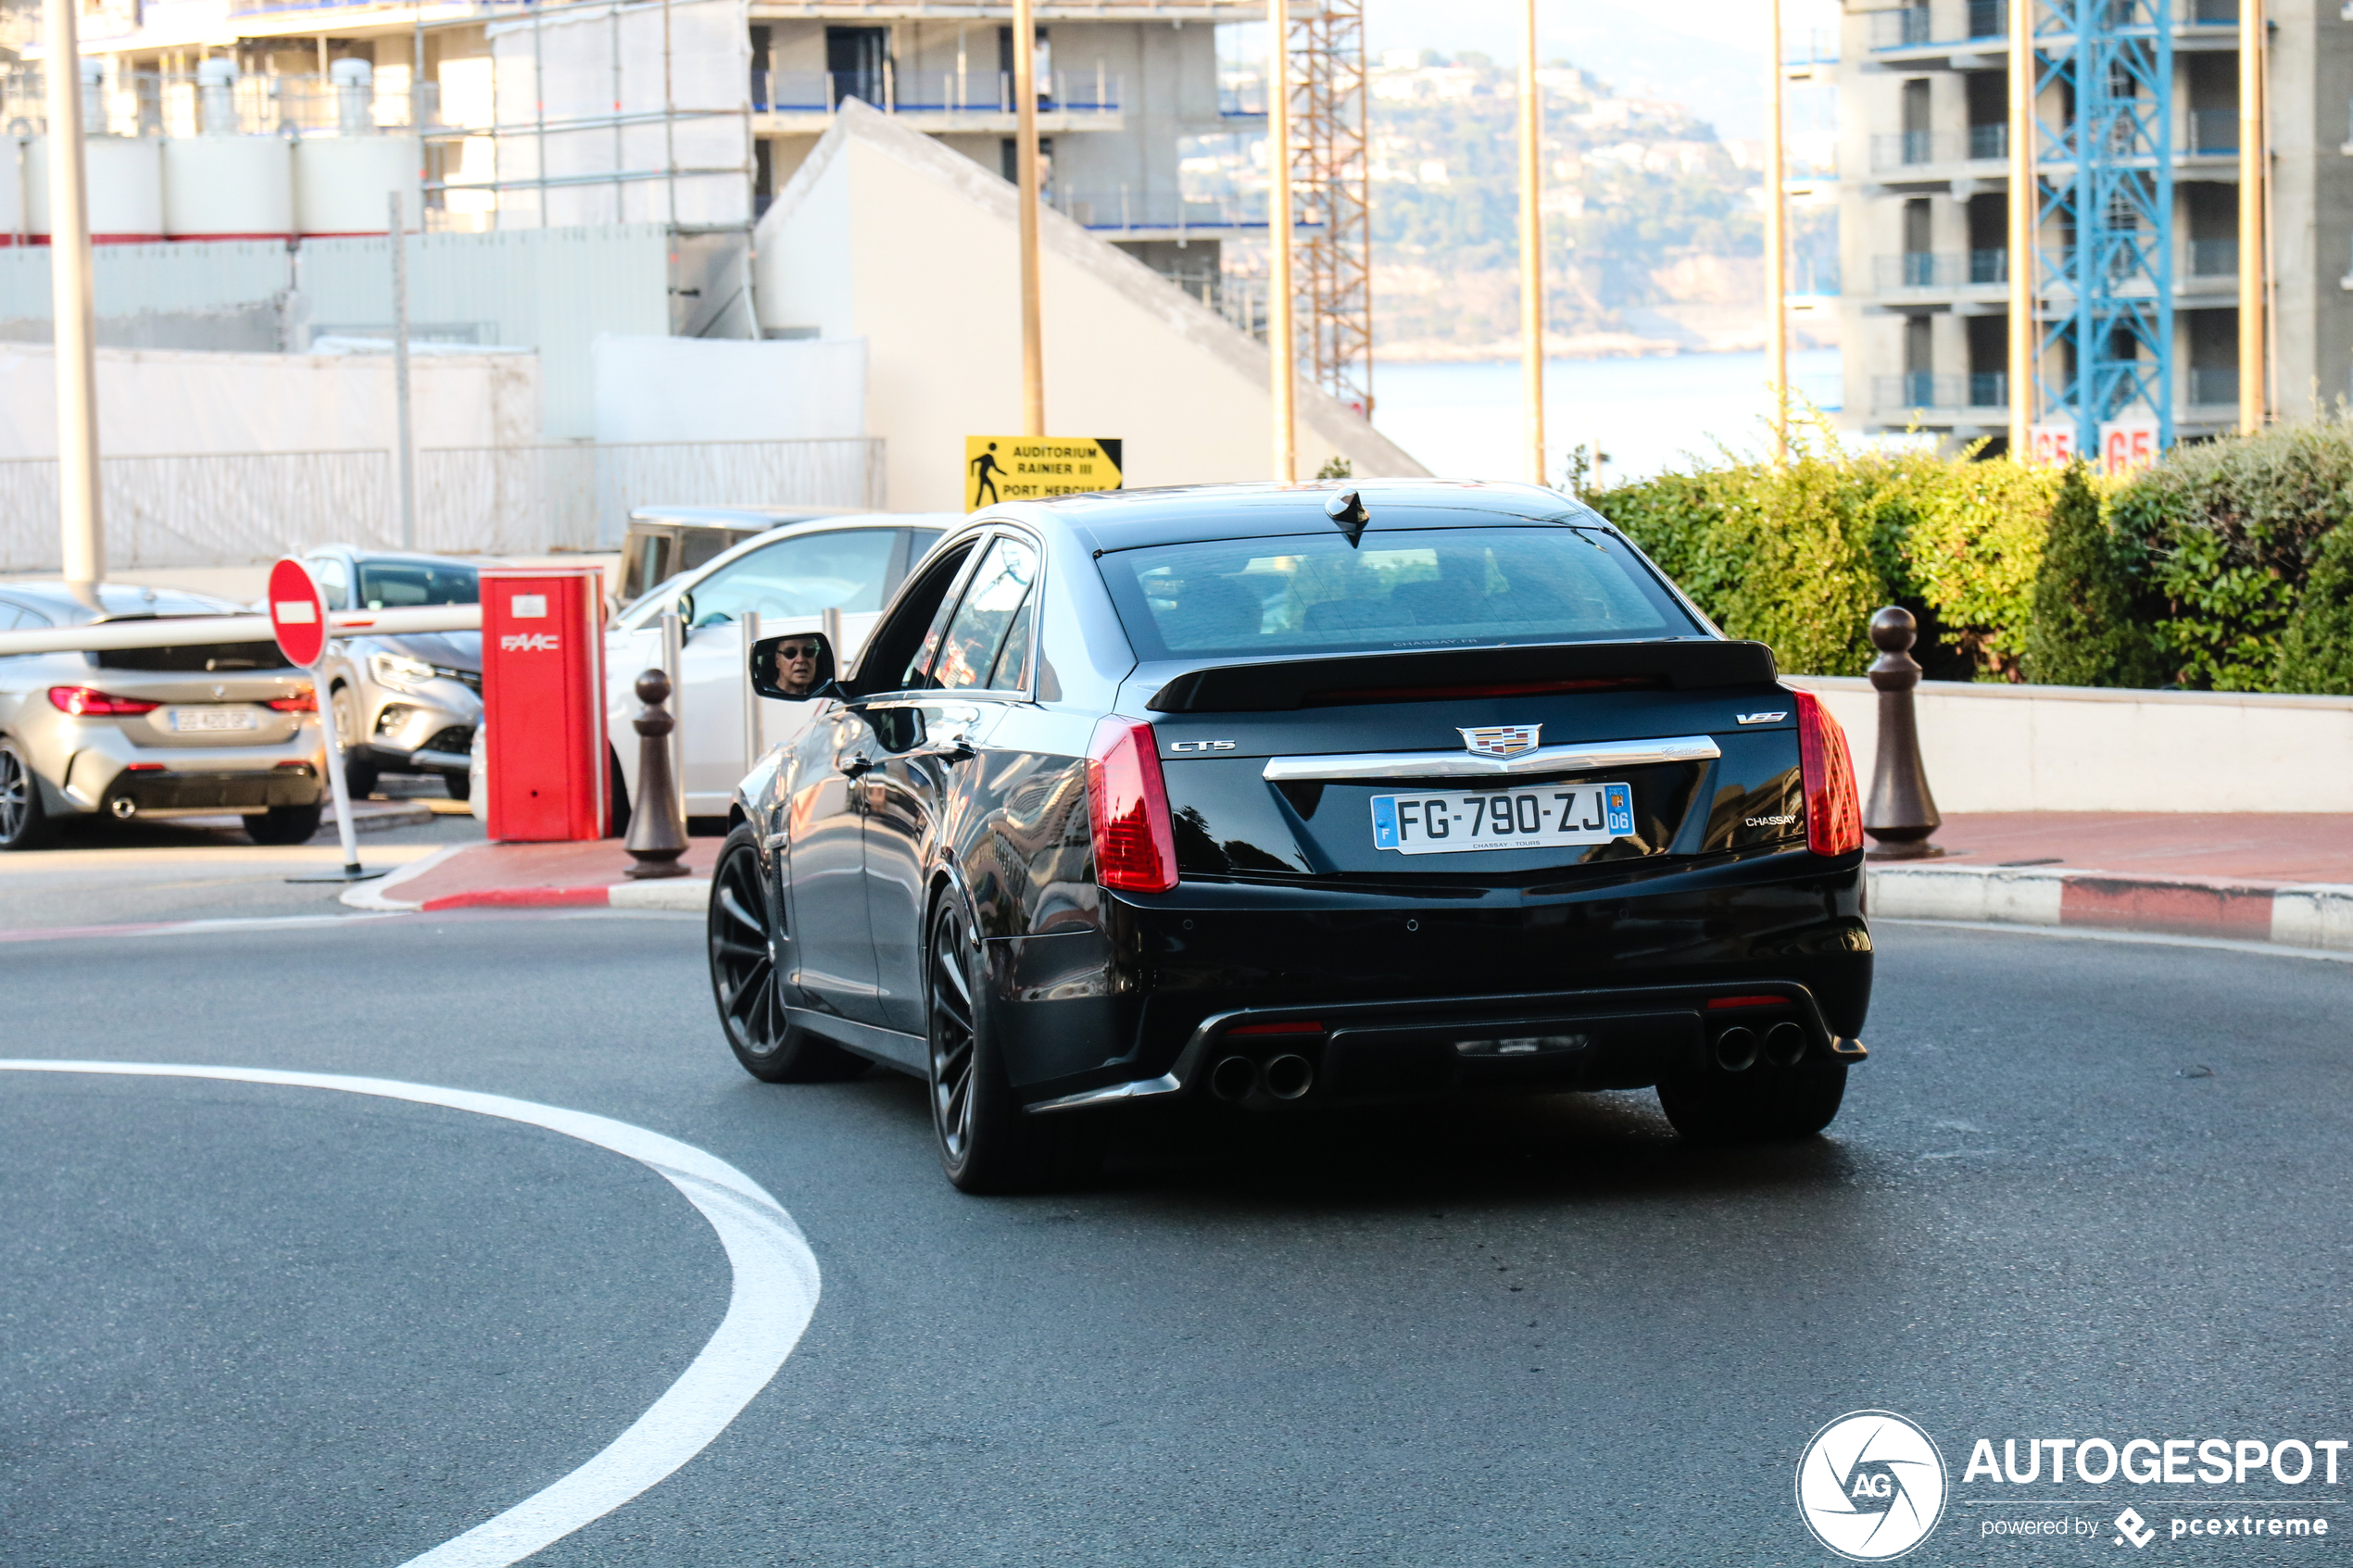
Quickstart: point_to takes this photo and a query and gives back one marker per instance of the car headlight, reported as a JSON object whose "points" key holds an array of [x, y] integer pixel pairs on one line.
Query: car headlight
{"points": [[398, 670]]}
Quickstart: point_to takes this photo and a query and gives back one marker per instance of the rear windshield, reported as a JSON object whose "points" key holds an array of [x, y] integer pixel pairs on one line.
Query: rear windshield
{"points": [[213, 658], [397, 584], [1441, 587]]}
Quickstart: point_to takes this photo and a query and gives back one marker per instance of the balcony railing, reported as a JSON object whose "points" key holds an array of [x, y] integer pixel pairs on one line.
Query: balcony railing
{"points": [[1940, 270], [2211, 389], [2214, 131], [1126, 210], [937, 92], [2214, 258], [1922, 389], [1945, 21], [1913, 149]]}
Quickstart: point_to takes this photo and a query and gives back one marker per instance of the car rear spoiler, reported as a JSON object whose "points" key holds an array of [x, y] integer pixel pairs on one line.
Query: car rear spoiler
{"points": [[1681, 664]]}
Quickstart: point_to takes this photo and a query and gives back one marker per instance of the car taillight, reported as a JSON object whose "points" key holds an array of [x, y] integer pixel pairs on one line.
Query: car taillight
{"points": [[303, 701], [1834, 811], [1128, 804], [84, 702]]}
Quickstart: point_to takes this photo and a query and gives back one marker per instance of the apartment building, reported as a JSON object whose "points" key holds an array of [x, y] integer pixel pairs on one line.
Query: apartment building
{"points": [[2137, 256]]}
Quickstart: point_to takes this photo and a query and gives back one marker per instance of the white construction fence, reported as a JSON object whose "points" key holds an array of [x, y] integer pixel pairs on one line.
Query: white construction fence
{"points": [[225, 510]]}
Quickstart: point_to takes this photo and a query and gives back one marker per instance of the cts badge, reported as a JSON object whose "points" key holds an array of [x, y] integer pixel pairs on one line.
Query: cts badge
{"points": [[1501, 740], [1192, 746]]}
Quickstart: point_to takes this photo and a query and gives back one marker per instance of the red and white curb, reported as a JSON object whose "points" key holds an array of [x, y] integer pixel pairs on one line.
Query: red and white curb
{"points": [[688, 893], [2287, 915]]}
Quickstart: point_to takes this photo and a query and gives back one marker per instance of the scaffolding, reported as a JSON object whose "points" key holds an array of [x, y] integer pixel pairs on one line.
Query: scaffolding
{"points": [[2104, 213], [1332, 197]]}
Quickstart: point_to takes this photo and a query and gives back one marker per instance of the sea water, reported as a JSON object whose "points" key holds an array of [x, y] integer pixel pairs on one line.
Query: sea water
{"points": [[1646, 415]]}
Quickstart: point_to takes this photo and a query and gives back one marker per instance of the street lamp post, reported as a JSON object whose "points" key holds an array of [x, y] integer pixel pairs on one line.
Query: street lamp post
{"points": [[81, 521], [1280, 345], [1776, 249], [2024, 197], [2254, 166], [1531, 247], [1033, 347]]}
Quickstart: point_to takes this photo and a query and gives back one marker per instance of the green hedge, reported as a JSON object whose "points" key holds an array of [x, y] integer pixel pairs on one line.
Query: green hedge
{"points": [[2220, 568]]}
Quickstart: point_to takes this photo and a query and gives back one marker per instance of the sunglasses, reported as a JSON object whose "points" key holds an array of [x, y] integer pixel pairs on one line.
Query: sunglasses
{"points": [[796, 650]]}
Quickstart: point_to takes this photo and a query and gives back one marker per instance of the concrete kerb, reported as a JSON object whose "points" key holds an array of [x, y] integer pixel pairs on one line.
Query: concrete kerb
{"points": [[687, 893], [2295, 915]]}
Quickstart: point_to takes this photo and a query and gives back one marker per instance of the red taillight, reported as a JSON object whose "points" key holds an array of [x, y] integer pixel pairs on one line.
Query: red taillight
{"points": [[1834, 811], [1302, 1027], [84, 702], [304, 701], [1127, 802], [1719, 1003], [143, 766]]}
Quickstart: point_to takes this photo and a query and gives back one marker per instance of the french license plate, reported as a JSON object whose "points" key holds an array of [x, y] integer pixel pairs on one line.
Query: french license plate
{"points": [[1520, 819], [197, 721]]}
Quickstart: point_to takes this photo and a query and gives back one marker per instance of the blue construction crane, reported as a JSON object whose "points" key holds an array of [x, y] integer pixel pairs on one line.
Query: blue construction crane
{"points": [[2106, 177]]}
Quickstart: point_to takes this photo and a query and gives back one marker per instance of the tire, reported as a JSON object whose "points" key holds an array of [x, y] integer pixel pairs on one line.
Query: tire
{"points": [[359, 777], [459, 785], [1761, 1105], [284, 825], [986, 1142], [743, 933], [23, 823]]}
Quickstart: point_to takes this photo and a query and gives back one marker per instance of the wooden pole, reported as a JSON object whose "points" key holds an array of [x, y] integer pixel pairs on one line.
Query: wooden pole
{"points": [[1531, 247], [1280, 348], [2252, 171], [2025, 195], [1033, 344], [1777, 249], [81, 521]]}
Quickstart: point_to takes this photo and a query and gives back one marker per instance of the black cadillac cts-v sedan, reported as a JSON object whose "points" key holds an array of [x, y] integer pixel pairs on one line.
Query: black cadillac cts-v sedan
{"points": [[1287, 797]]}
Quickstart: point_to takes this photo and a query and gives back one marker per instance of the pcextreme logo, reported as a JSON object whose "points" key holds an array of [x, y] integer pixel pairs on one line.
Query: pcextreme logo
{"points": [[1872, 1486]]}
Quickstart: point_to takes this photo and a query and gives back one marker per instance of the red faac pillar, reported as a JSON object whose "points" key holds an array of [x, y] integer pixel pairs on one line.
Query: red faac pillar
{"points": [[543, 683]]}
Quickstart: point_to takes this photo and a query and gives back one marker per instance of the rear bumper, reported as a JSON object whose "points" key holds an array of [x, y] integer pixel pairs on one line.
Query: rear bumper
{"points": [[1543, 1042], [1629, 963], [150, 795]]}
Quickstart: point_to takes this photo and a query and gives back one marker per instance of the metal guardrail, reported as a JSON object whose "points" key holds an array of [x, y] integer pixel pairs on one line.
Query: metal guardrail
{"points": [[194, 630], [1940, 270]]}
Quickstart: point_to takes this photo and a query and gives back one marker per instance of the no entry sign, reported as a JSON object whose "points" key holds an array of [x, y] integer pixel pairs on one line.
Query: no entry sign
{"points": [[298, 613]]}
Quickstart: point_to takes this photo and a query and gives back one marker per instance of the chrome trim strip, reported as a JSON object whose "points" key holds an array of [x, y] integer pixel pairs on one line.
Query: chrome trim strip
{"points": [[1164, 1084], [1469, 765]]}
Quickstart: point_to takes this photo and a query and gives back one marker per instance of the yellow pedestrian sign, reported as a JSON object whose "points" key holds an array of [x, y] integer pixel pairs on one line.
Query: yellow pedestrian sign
{"points": [[1027, 468]]}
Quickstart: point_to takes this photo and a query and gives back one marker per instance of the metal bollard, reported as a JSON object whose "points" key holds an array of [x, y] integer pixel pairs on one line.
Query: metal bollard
{"points": [[655, 839], [1902, 813]]}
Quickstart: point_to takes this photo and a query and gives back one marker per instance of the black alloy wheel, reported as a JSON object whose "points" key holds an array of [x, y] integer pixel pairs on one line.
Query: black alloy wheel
{"points": [[1759, 1105], [986, 1142], [23, 824], [746, 939]]}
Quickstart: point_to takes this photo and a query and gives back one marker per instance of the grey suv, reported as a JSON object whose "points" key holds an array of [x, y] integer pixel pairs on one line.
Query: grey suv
{"points": [[202, 730], [406, 704]]}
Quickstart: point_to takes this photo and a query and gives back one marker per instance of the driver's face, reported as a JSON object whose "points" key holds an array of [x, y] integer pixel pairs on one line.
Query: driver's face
{"points": [[797, 667]]}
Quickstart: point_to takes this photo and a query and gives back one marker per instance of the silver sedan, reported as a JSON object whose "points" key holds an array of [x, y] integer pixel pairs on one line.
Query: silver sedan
{"points": [[202, 730]]}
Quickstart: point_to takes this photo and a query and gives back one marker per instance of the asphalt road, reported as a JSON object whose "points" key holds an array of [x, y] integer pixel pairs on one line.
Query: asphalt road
{"points": [[2081, 1189]]}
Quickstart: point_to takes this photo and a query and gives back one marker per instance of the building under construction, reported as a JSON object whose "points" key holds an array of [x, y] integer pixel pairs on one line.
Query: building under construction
{"points": [[2137, 262], [694, 114]]}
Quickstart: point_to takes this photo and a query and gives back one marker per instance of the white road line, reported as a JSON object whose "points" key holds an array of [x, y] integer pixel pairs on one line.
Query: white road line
{"points": [[774, 1293]]}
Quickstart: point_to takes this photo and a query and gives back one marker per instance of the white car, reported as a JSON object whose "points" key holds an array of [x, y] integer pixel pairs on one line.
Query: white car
{"points": [[790, 576]]}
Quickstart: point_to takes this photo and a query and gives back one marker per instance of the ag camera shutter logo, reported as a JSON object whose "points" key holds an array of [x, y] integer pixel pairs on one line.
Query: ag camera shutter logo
{"points": [[1872, 1486]]}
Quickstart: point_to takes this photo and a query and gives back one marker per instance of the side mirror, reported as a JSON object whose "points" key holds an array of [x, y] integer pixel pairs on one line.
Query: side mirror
{"points": [[797, 667]]}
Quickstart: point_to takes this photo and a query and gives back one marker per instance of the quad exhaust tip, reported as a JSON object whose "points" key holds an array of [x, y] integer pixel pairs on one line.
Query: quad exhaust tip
{"points": [[1784, 1045], [123, 808], [1289, 1076], [1233, 1078], [1736, 1050]]}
